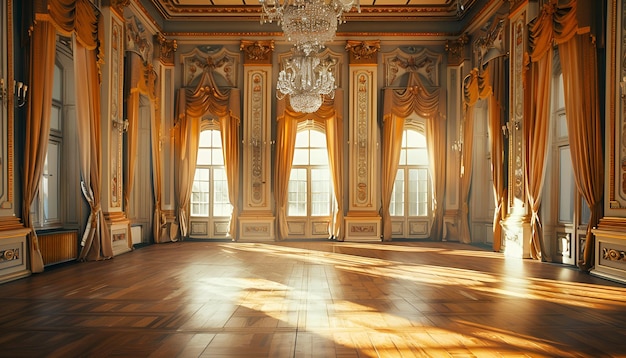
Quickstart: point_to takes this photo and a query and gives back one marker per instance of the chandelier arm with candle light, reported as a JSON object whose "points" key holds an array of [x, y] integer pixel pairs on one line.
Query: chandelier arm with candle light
{"points": [[309, 25]]}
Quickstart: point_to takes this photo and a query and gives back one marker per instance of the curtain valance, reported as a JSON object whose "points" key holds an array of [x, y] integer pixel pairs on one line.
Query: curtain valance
{"points": [[477, 86], [76, 16], [415, 98], [206, 97], [555, 25]]}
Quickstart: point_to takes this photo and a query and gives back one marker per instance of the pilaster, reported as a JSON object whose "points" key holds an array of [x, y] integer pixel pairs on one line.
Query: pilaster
{"points": [[363, 222], [256, 220], [112, 86]]}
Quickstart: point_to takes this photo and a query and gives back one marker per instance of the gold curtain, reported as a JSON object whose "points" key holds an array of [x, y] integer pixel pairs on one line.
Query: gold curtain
{"points": [[159, 219], [398, 105], [42, 54], [496, 116], [578, 59], [329, 115], [476, 86], [96, 242], [194, 103], [555, 24], [187, 140], [229, 132]]}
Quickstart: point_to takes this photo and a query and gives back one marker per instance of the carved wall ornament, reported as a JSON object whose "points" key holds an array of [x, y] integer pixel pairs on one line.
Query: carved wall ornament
{"points": [[398, 66], [613, 254], [223, 64], [363, 52], [257, 52], [166, 48], [118, 5], [137, 39], [456, 49], [493, 39]]}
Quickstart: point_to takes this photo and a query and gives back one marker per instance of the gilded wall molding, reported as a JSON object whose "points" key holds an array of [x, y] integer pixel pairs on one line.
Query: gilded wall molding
{"points": [[363, 52], [138, 40], [257, 52], [167, 48], [456, 49]]}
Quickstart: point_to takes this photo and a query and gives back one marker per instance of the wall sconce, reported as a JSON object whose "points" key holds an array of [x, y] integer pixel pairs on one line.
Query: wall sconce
{"points": [[122, 126], [19, 90], [457, 146], [509, 126]]}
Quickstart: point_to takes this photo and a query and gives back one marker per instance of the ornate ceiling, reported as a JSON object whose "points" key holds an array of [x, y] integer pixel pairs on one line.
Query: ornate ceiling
{"points": [[392, 9], [376, 16]]}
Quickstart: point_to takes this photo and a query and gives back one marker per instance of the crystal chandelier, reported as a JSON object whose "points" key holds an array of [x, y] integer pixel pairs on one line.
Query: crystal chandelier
{"points": [[306, 78], [309, 25]]}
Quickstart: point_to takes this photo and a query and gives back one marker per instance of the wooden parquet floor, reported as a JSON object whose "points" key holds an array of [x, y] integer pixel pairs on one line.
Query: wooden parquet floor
{"points": [[312, 299]]}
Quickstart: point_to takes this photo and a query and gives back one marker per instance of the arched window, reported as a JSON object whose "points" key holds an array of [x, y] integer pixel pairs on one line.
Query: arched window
{"points": [[310, 183], [411, 199], [209, 195]]}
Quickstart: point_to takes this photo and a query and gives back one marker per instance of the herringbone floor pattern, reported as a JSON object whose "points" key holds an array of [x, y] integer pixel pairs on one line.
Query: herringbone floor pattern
{"points": [[312, 299]]}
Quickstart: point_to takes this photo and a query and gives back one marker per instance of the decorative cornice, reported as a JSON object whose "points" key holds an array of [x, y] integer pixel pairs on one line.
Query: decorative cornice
{"points": [[117, 5], [456, 49], [257, 52], [363, 52], [166, 49]]}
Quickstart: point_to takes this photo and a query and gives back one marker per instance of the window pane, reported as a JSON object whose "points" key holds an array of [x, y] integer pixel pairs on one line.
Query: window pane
{"points": [[55, 118], [318, 139], [221, 202], [205, 138], [300, 157], [566, 186], [302, 139], [200, 193], [204, 156], [217, 156], [396, 207], [51, 183], [319, 156], [320, 192], [57, 87], [297, 192]]}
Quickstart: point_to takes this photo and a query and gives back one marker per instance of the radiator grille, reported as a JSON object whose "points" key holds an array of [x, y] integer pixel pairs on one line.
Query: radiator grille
{"points": [[58, 247]]}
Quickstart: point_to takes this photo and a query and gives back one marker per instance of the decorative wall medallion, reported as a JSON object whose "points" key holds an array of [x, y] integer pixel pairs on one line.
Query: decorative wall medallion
{"points": [[9, 254], [613, 254]]}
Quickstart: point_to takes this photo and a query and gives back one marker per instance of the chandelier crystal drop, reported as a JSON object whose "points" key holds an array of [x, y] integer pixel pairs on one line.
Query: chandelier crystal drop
{"points": [[306, 78]]}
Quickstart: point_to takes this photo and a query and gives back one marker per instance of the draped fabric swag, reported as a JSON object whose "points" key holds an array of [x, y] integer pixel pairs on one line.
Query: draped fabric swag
{"points": [[193, 104], [77, 18], [329, 116], [399, 104], [557, 24]]}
